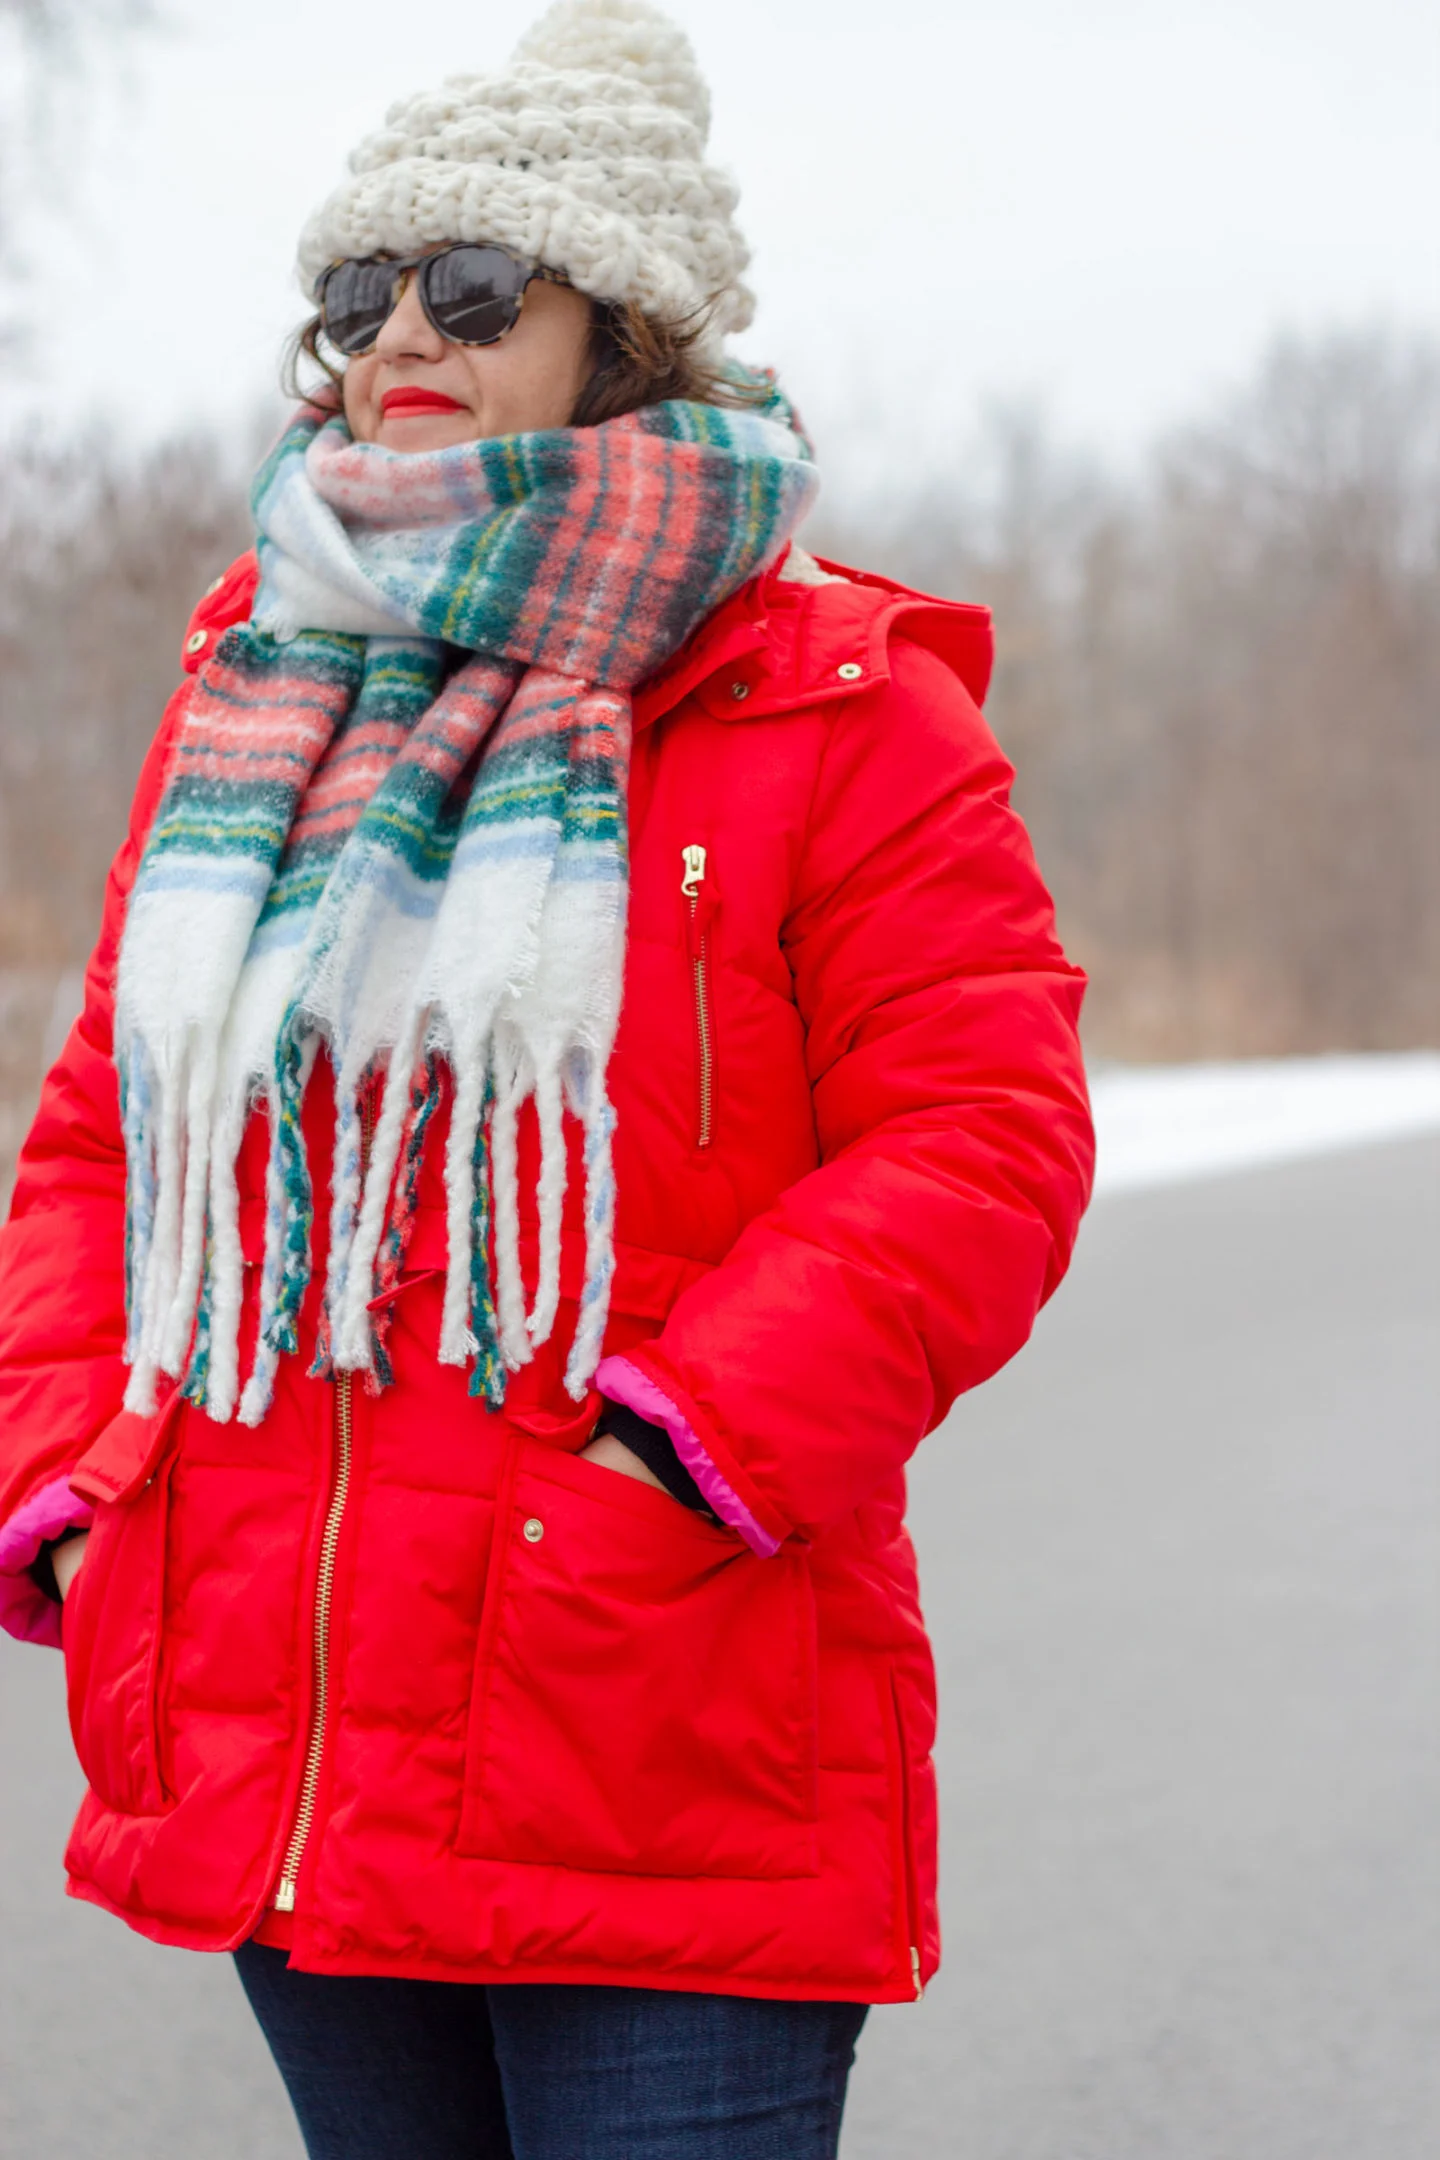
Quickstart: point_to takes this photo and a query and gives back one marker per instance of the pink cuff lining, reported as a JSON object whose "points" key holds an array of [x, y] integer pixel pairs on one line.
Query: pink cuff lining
{"points": [[622, 1383], [25, 1611]]}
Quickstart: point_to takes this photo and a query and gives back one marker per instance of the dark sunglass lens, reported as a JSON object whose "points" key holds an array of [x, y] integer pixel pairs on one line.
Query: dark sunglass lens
{"points": [[355, 303], [473, 293]]}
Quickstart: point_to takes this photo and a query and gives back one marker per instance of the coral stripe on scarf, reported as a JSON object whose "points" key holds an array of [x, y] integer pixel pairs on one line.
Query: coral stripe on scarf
{"points": [[320, 871]]}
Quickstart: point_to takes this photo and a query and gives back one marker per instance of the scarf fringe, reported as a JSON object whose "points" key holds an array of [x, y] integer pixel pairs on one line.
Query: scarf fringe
{"points": [[356, 1231], [424, 1100], [599, 1124], [510, 1092], [467, 1208], [487, 1376], [485, 1324], [227, 1268]]}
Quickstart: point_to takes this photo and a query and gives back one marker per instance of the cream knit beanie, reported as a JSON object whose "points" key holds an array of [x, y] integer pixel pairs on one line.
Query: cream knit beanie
{"points": [[586, 154]]}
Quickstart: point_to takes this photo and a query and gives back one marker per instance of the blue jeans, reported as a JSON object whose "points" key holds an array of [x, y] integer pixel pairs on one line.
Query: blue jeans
{"points": [[439, 2070]]}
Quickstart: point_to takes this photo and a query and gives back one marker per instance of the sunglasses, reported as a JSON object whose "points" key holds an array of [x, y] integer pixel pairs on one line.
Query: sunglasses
{"points": [[471, 295]]}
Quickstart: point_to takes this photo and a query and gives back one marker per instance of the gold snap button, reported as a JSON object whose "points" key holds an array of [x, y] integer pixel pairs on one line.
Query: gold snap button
{"points": [[739, 690], [533, 1531], [849, 671], [196, 641]]}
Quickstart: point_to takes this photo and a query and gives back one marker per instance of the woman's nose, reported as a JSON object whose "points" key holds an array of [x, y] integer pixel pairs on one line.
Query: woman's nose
{"points": [[407, 332]]}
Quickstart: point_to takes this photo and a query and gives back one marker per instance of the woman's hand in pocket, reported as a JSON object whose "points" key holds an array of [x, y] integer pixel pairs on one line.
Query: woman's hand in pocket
{"points": [[612, 1454], [67, 1560]]}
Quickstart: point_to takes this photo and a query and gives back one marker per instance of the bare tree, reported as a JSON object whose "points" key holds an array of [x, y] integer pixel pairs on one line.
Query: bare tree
{"points": [[1221, 687], [103, 564]]}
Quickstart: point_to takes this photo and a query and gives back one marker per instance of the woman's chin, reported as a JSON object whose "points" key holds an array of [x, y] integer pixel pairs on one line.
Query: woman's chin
{"points": [[426, 431]]}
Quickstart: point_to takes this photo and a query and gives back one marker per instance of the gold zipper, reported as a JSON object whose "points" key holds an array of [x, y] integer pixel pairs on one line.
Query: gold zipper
{"points": [[693, 857], [284, 1900], [917, 1982]]}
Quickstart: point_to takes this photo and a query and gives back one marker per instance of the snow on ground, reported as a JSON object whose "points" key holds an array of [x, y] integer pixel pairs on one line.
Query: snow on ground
{"points": [[1161, 1124]]}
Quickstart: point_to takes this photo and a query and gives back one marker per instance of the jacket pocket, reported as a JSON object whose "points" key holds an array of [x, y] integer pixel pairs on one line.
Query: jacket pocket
{"points": [[111, 1628], [644, 1696]]}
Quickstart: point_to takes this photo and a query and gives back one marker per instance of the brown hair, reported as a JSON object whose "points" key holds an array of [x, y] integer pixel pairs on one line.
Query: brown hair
{"points": [[636, 360], [640, 360]]}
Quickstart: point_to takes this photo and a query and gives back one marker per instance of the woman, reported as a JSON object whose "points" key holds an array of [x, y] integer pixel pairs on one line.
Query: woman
{"points": [[462, 1407]]}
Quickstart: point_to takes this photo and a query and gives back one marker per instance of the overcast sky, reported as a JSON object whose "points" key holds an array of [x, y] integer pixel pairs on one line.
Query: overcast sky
{"points": [[1107, 208]]}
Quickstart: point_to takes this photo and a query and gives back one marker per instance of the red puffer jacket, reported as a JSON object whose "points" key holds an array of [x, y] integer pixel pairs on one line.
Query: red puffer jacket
{"points": [[474, 1708]]}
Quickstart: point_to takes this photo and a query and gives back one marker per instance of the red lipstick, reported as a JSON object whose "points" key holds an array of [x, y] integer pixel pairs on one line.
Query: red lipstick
{"points": [[410, 398]]}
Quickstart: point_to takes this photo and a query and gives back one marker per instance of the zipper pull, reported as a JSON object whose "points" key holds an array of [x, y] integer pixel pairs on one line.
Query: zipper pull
{"points": [[701, 911], [693, 858]]}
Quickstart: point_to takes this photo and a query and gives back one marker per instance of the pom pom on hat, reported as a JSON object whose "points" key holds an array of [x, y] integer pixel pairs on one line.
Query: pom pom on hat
{"points": [[622, 37], [586, 154]]}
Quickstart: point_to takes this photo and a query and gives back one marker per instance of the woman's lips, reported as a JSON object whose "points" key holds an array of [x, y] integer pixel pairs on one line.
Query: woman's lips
{"points": [[400, 404]]}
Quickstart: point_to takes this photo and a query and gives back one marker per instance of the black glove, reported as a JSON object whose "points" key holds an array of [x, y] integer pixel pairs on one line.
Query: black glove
{"points": [[656, 1450]]}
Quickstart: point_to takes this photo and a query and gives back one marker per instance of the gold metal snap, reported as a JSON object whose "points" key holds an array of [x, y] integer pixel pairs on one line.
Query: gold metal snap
{"points": [[849, 671], [533, 1530], [197, 641], [739, 690]]}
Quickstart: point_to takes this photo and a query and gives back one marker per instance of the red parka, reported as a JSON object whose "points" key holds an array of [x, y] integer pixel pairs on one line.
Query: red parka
{"points": [[475, 1708]]}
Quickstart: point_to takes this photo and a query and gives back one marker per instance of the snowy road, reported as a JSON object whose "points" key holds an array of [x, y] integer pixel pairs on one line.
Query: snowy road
{"points": [[1180, 1565]]}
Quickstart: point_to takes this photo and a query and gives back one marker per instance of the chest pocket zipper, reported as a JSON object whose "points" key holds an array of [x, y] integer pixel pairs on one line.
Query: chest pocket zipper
{"points": [[702, 907]]}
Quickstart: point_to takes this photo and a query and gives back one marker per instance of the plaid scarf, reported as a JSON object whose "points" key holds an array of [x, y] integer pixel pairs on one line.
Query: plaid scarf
{"points": [[394, 823]]}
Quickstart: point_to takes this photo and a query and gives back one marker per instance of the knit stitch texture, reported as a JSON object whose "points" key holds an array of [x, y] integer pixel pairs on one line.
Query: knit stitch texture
{"points": [[319, 873]]}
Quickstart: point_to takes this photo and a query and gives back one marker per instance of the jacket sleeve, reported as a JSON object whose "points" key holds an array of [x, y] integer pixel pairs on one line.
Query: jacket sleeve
{"points": [[62, 1283], [955, 1140]]}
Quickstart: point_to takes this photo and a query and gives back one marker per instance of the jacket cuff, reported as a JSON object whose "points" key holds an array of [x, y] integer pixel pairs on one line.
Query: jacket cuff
{"points": [[25, 1611], [622, 1381]]}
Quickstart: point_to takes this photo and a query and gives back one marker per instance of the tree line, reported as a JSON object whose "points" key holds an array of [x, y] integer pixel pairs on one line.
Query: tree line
{"points": [[1219, 681], [1217, 676]]}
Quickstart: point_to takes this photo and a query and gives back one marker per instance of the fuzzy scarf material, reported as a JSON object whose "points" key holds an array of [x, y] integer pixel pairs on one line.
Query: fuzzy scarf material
{"points": [[394, 824]]}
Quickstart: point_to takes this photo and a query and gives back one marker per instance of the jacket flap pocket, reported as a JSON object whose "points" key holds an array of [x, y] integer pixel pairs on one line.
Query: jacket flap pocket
{"points": [[127, 1454]]}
